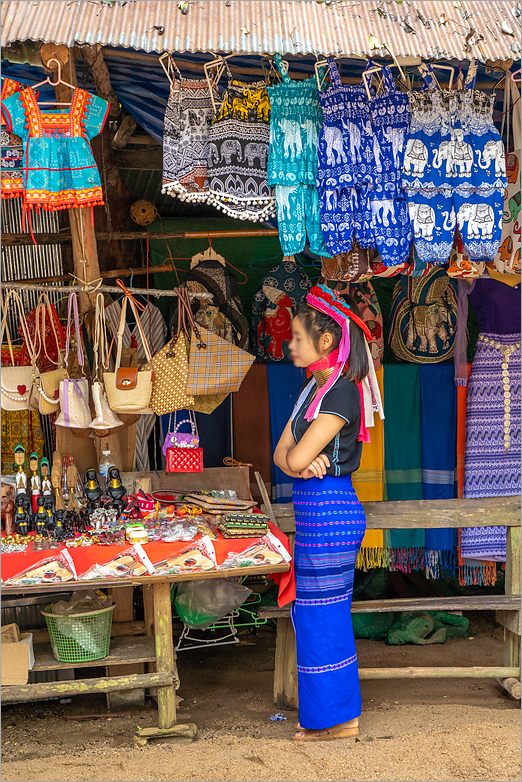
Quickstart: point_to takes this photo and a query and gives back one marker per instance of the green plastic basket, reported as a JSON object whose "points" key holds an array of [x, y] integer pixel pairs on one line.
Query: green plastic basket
{"points": [[79, 638]]}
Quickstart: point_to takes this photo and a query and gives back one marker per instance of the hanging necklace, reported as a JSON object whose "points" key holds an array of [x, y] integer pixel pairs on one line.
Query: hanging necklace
{"points": [[506, 351]]}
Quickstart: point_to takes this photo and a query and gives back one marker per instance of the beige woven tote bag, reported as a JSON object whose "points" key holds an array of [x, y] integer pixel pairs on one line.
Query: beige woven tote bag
{"points": [[170, 365]]}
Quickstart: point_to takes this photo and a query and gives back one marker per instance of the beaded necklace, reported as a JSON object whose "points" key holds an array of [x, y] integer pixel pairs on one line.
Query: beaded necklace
{"points": [[506, 351]]}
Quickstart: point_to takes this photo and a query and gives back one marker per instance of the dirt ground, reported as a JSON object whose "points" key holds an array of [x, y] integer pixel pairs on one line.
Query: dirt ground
{"points": [[446, 729]]}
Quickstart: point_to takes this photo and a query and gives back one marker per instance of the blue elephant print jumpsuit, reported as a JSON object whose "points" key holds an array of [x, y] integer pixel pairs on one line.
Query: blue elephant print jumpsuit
{"points": [[359, 168]]}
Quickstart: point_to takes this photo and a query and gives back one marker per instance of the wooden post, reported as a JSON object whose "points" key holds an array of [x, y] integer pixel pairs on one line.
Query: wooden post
{"points": [[512, 639], [165, 654], [148, 614], [85, 252], [285, 673]]}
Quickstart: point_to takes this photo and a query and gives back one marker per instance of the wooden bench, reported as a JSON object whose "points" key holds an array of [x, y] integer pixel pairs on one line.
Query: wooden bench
{"points": [[421, 514]]}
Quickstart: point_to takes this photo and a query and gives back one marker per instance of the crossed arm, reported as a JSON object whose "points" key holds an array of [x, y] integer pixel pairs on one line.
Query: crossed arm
{"points": [[304, 459]]}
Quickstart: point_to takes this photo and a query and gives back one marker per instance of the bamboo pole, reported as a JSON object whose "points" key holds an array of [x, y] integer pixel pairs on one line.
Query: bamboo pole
{"points": [[25, 286], [64, 689], [475, 672], [19, 239]]}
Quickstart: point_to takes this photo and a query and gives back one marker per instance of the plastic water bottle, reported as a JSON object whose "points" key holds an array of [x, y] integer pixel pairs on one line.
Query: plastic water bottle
{"points": [[106, 462]]}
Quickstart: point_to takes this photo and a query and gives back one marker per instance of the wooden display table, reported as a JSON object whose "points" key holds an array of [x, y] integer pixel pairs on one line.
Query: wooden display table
{"points": [[158, 649], [442, 514]]}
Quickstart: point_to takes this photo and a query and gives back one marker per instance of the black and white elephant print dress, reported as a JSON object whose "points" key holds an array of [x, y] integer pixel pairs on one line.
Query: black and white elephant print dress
{"points": [[238, 153], [185, 137]]}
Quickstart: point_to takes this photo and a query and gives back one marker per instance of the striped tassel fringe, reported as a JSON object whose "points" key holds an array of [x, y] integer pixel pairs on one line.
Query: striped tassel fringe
{"points": [[478, 575], [406, 559], [440, 564], [369, 558]]}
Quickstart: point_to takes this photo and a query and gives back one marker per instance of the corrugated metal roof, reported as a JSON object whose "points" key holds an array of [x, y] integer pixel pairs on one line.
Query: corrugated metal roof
{"points": [[266, 26]]}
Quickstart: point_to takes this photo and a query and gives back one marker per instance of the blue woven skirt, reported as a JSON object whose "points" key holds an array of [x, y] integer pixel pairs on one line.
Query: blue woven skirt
{"points": [[330, 526]]}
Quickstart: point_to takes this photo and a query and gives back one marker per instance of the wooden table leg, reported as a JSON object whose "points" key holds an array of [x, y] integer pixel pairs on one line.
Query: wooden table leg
{"points": [[285, 673], [165, 654]]}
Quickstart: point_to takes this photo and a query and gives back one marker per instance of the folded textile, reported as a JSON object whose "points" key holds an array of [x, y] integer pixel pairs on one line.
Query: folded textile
{"points": [[368, 480], [484, 543], [462, 395], [438, 432]]}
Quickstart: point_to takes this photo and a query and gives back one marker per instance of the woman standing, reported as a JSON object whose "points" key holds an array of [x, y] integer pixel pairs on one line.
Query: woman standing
{"points": [[321, 447]]}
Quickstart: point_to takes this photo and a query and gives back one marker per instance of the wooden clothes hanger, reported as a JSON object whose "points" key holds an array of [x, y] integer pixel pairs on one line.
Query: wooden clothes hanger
{"points": [[516, 73], [219, 63], [54, 84], [211, 255], [166, 68]]}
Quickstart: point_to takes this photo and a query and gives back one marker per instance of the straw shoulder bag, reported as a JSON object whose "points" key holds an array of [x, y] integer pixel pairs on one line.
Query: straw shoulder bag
{"points": [[129, 390], [170, 365]]}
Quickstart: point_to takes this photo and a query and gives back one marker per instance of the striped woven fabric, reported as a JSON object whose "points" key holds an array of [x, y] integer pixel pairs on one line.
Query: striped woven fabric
{"points": [[218, 368]]}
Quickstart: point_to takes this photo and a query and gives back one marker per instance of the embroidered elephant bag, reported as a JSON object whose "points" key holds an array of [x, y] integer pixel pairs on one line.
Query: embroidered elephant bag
{"points": [[423, 318]]}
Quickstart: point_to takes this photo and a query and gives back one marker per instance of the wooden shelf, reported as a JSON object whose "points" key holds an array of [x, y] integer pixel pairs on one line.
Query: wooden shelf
{"points": [[126, 650], [459, 603]]}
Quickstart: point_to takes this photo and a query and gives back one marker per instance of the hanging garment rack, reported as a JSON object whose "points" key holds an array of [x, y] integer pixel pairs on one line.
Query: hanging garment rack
{"points": [[25, 286]]}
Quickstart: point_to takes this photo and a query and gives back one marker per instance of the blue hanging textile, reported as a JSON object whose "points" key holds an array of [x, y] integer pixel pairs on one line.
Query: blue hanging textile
{"points": [[439, 460], [284, 385]]}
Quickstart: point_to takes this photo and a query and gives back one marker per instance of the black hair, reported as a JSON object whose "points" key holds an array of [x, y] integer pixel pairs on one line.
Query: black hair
{"points": [[317, 323]]}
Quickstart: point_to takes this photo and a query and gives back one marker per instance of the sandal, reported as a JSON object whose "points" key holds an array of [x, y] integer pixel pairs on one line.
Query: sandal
{"points": [[326, 734]]}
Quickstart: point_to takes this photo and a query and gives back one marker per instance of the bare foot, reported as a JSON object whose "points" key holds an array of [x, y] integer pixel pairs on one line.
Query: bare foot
{"points": [[304, 732]]}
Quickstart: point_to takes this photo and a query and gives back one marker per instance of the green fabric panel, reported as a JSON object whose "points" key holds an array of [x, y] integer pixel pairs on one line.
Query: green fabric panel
{"points": [[402, 435]]}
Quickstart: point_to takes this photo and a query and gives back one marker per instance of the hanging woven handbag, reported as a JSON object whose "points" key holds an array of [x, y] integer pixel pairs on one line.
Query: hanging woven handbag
{"points": [[74, 392], [44, 395], [105, 419], [423, 318], [215, 366], [170, 366], [16, 381], [185, 455], [129, 390]]}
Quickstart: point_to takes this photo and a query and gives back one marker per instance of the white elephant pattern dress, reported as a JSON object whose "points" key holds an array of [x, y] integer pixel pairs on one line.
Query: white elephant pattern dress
{"points": [[454, 173], [185, 137]]}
